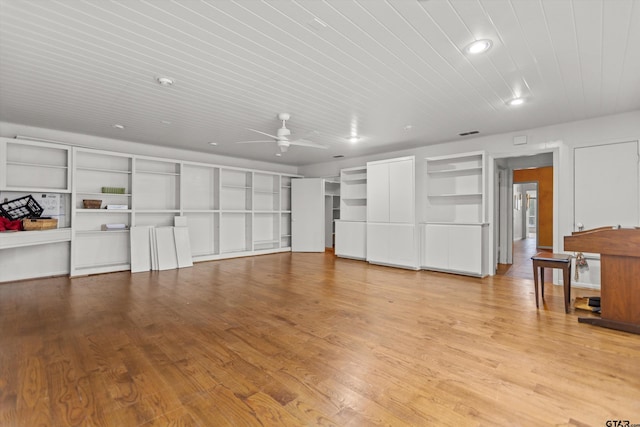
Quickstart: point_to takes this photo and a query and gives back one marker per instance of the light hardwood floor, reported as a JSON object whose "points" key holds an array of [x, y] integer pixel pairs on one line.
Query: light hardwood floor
{"points": [[305, 339]]}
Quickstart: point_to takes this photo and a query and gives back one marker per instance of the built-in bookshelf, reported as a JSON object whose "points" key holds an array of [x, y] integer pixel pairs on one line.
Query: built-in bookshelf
{"points": [[454, 230], [41, 170], [350, 228]]}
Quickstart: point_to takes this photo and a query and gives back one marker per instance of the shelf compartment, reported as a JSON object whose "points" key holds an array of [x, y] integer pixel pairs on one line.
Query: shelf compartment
{"points": [[235, 198], [265, 229], [98, 161], [23, 153], [32, 177], [114, 171], [235, 232], [158, 192], [266, 192], [461, 170], [204, 229], [155, 218], [200, 186], [93, 222], [113, 252]]}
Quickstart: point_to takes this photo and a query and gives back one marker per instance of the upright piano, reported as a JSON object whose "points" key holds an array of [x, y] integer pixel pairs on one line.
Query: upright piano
{"points": [[619, 250]]}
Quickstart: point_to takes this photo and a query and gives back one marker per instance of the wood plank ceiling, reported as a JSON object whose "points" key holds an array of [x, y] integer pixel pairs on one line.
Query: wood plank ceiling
{"points": [[340, 67]]}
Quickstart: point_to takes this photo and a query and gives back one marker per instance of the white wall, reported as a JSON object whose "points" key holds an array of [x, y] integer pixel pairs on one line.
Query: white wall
{"points": [[10, 130], [518, 214], [560, 139]]}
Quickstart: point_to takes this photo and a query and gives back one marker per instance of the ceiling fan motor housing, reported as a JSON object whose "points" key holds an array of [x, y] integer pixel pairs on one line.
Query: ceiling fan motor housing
{"points": [[283, 132]]}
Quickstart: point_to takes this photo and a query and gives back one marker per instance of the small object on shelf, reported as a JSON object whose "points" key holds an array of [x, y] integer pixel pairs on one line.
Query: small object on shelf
{"points": [[118, 207], [9, 225], [24, 207], [91, 203], [112, 227], [29, 224], [113, 190]]}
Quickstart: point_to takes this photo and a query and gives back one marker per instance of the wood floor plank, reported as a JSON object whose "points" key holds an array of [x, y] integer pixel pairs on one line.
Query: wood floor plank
{"points": [[305, 339]]}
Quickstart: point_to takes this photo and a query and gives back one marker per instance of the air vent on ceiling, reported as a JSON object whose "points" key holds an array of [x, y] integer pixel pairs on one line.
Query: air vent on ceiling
{"points": [[473, 132]]}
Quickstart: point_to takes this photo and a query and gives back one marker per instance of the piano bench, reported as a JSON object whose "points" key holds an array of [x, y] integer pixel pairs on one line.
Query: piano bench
{"points": [[543, 260]]}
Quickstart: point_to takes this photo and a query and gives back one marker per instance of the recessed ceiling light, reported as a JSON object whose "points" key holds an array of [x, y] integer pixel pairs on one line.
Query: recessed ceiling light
{"points": [[354, 139], [213, 143], [478, 46], [164, 81], [515, 101], [278, 154], [408, 127], [118, 126]]}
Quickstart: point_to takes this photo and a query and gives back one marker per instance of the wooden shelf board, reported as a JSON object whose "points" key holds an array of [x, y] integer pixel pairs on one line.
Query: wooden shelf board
{"points": [[37, 165], [80, 168]]}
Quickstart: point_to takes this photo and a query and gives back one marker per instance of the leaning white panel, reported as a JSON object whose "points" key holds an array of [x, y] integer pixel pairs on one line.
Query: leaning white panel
{"points": [[166, 245], [140, 249]]}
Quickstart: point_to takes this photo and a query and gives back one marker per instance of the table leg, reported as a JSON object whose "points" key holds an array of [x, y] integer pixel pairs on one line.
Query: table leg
{"points": [[542, 282], [566, 281], [535, 281]]}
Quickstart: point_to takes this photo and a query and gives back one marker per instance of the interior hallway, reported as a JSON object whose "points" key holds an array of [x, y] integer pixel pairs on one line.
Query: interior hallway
{"points": [[522, 267]]}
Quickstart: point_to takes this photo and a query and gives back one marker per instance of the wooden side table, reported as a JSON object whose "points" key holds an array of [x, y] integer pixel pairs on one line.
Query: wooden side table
{"points": [[543, 260]]}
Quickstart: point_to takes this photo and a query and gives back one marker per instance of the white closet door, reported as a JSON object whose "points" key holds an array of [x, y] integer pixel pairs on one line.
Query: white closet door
{"points": [[401, 192], [606, 185], [307, 215], [377, 192]]}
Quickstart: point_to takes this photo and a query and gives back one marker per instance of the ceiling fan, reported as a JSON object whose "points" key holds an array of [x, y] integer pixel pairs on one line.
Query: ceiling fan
{"points": [[282, 137]]}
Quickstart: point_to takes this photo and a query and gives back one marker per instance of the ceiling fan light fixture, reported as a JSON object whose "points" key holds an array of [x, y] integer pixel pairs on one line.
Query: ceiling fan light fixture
{"points": [[478, 46]]}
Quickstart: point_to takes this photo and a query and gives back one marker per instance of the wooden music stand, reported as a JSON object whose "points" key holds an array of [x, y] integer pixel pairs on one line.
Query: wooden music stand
{"points": [[619, 250]]}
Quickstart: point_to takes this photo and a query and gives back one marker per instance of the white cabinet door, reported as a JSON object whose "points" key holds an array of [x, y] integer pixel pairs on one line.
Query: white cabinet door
{"points": [[465, 248], [351, 239], [401, 245], [606, 185], [377, 243], [401, 191], [307, 215], [378, 192], [436, 246]]}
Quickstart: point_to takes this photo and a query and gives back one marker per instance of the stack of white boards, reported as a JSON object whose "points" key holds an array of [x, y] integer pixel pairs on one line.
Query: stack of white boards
{"points": [[160, 248]]}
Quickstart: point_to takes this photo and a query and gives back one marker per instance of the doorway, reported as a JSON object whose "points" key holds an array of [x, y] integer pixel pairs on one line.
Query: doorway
{"points": [[525, 185]]}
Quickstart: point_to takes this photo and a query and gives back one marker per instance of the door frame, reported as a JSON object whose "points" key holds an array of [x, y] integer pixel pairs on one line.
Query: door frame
{"points": [[494, 210]]}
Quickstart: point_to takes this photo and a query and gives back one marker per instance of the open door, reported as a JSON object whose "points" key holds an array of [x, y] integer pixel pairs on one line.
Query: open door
{"points": [[307, 215]]}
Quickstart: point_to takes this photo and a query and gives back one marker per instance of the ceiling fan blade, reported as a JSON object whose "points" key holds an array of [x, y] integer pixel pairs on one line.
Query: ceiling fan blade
{"points": [[263, 133], [251, 142], [307, 143]]}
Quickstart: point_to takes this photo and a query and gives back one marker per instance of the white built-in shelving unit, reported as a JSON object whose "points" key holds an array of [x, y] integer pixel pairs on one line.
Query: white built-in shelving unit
{"points": [[92, 249], [391, 225], [43, 170], [351, 229], [454, 229], [230, 211], [332, 209]]}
